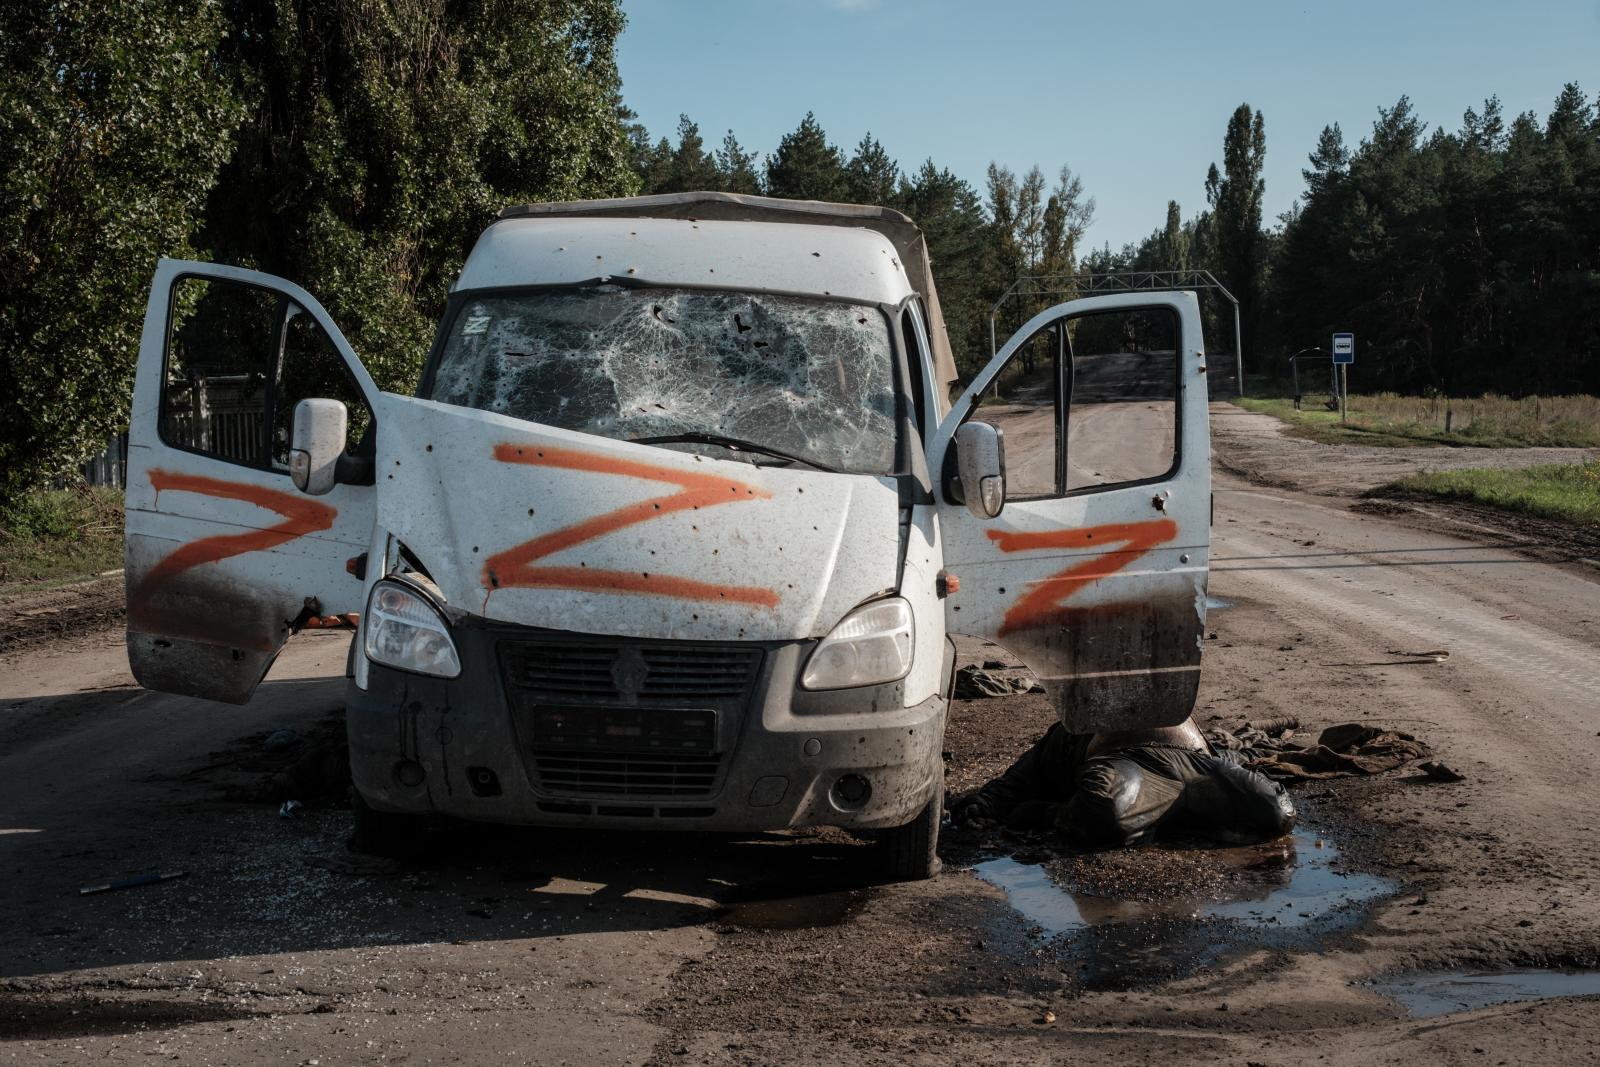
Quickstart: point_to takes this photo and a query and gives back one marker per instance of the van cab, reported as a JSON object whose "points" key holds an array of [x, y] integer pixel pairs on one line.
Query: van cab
{"points": [[680, 522]]}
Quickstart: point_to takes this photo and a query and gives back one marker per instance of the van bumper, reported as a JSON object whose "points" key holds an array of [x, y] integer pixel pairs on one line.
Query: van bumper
{"points": [[785, 758]]}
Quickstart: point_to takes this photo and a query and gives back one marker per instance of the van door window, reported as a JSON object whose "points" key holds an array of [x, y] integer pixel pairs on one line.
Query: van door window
{"points": [[239, 358], [1024, 403], [1122, 422]]}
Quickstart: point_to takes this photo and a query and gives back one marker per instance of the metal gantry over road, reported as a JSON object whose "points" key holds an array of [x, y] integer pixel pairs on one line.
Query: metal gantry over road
{"points": [[1132, 281]]}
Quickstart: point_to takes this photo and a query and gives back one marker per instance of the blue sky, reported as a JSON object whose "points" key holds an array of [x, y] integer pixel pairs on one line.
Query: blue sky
{"points": [[1133, 96]]}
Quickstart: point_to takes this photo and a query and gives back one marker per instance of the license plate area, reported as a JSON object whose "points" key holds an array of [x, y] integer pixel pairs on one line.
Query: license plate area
{"points": [[590, 728]]}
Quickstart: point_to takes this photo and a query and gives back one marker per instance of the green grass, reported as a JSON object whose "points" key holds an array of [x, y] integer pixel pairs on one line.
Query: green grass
{"points": [[54, 535], [1568, 491], [1386, 419]]}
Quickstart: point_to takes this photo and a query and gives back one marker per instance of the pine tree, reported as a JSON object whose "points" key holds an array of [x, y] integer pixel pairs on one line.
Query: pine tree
{"points": [[806, 166], [871, 177]]}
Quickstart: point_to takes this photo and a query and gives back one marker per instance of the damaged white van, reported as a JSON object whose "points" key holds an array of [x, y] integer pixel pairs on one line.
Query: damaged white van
{"points": [[677, 527]]}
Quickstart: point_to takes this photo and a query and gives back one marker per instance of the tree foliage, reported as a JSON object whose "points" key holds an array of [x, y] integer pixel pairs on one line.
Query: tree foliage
{"points": [[355, 147], [1464, 261], [382, 138], [113, 131]]}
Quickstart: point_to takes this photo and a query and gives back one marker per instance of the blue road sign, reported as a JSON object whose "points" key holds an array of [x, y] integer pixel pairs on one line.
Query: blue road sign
{"points": [[1344, 348]]}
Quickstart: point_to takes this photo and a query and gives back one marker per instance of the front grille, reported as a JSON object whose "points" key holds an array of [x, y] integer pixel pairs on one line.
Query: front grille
{"points": [[681, 676], [627, 719], [625, 775]]}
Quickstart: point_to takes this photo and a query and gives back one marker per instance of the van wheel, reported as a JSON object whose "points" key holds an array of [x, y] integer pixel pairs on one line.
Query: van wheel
{"points": [[386, 833], [910, 853]]}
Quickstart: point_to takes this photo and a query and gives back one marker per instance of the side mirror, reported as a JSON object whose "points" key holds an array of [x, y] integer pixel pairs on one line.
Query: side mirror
{"points": [[981, 461], [316, 441]]}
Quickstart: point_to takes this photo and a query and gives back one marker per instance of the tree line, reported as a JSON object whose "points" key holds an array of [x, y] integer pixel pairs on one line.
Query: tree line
{"points": [[1465, 261]]}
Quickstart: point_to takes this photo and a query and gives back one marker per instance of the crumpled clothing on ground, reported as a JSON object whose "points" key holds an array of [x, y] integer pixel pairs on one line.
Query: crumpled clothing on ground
{"points": [[1348, 749]]}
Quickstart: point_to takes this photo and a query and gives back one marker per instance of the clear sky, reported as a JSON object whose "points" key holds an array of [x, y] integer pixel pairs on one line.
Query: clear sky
{"points": [[1134, 96]]}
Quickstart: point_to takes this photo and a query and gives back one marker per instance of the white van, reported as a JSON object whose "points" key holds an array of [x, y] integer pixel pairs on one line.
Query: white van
{"points": [[677, 527]]}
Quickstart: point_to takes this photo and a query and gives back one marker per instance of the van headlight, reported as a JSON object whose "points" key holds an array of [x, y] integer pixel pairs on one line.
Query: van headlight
{"points": [[404, 631], [870, 646]]}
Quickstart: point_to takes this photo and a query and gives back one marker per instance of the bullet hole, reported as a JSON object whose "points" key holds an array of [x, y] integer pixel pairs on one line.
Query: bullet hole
{"points": [[530, 511], [494, 580], [817, 254], [1002, 589], [429, 448], [656, 506], [474, 548]]}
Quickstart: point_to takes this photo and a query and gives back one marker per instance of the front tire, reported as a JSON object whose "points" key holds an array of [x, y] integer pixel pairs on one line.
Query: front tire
{"points": [[910, 853]]}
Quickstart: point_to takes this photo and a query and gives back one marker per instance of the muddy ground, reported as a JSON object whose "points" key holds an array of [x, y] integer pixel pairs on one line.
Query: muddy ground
{"points": [[516, 946]]}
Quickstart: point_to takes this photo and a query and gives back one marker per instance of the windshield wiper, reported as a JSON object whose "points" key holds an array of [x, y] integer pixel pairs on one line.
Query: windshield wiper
{"points": [[732, 444]]}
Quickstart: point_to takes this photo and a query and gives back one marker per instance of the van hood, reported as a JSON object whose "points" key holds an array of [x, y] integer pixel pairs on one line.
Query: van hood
{"points": [[538, 526]]}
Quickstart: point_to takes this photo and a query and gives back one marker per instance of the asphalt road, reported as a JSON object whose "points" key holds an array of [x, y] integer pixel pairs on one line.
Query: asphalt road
{"points": [[519, 946]]}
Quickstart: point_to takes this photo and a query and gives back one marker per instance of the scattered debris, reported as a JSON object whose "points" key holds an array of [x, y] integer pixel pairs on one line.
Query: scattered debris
{"points": [[1441, 772], [977, 683], [132, 882], [1348, 749], [1438, 655]]}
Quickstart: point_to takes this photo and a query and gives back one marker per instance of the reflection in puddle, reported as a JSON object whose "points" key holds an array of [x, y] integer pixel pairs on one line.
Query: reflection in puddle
{"points": [[1282, 884], [1426, 995], [1163, 912], [794, 913]]}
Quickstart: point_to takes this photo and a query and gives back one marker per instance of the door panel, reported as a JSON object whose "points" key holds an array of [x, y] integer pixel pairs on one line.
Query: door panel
{"points": [[1098, 585], [223, 555]]}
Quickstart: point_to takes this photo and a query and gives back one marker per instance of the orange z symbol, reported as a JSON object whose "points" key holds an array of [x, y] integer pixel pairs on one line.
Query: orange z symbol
{"points": [[1043, 604], [513, 567], [301, 517]]}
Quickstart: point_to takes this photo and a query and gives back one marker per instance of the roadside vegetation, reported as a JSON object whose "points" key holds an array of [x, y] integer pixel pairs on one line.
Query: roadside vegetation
{"points": [[1490, 421], [1569, 492], [52, 535]]}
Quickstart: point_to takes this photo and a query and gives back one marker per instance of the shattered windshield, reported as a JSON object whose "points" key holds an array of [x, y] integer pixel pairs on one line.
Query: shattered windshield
{"points": [[803, 378]]}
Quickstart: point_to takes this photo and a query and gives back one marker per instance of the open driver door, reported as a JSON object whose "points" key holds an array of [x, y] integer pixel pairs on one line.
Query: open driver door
{"points": [[225, 556], [1088, 558]]}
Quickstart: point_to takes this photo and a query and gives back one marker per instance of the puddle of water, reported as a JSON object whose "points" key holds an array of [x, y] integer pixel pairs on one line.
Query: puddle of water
{"points": [[1427, 995], [1281, 885], [1217, 603], [1190, 908], [795, 913]]}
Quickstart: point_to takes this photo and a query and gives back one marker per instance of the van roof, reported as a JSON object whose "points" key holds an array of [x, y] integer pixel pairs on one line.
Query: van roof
{"points": [[901, 233], [853, 264]]}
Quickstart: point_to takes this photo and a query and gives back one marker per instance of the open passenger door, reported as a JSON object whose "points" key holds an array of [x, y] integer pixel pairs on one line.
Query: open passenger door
{"points": [[224, 556], [1094, 570]]}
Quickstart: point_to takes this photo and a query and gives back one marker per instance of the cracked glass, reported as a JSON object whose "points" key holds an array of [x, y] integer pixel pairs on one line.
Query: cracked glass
{"points": [[811, 380]]}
